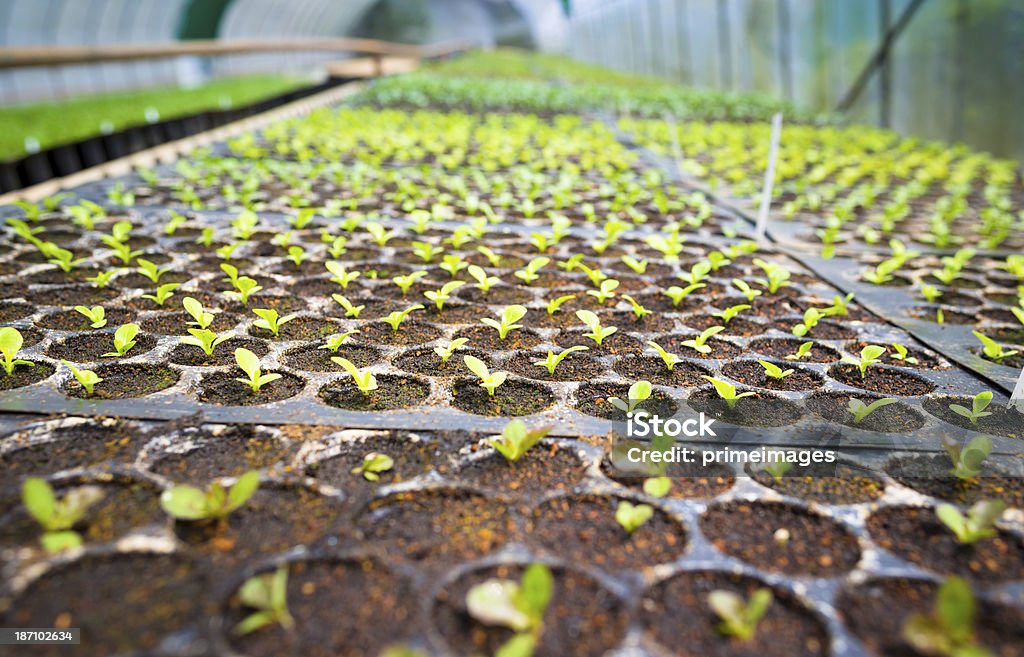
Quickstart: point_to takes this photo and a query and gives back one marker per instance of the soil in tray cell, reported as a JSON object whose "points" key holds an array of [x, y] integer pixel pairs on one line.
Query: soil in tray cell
{"points": [[90, 347], [577, 366], [312, 358], [584, 528], [177, 323], [916, 535], [931, 475], [427, 362], [720, 349], [122, 603], [592, 399], [760, 410], [896, 417], [827, 483], [125, 382], [223, 354], [24, 375], [752, 373], [546, 468], [72, 320], [617, 344], [583, 619], [652, 368], [393, 392], [485, 337], [689, 480], [225, 453], [817, 546], [222, 389], [513, 398], [793, 629], [75, 295], [885, 380], [410, 332], [342, 608], [86, 444], [737, 327], [1004, 421], [16, 310], [779, 348], [300, 328]]}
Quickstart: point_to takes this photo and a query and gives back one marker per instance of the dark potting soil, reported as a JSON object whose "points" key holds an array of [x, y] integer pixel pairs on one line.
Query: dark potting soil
{"points": [[931, 475], [720, 349], [228, 453], [90, 347], [15, 310], [577, 366], [779, 348], [761, 410], [24, 375], [822, 331], [617, 344], [393, 391], [737, 327], [1002, 422], [310, 358], [827, 483], [818, 546], [125, 381], [497, 295], [72, 320], [75, 446], [925, 360], [546, 468], [512, 398], [222, 389], [592, 399], [884, 380], [412, 458], [893, 418], [652, 368], [627, 321], [752, 373], [425, 361], [223, 354], [74, 295], [300, 328], [689, 480], [410, 332], [916, 535], [177, 323], [485, 337]]}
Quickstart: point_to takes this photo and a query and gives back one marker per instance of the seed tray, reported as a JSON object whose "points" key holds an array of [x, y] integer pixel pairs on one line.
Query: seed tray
{"points": [[155, 454]]}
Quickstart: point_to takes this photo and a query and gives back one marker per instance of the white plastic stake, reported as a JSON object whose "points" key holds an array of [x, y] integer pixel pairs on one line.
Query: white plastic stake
{"points": [[1017, 398], [769, 178]]}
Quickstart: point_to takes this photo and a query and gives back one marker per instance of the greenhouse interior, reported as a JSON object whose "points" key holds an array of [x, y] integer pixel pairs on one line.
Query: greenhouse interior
{"points": [[511, 328]]}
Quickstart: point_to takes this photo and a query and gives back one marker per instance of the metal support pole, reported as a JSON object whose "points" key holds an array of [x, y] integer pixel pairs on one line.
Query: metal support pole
{"points": [[885, 71]]}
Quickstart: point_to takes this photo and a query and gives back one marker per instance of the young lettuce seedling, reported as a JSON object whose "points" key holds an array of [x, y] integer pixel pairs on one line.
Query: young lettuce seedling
{"points": [[10, 345], [335, 342], [205, 339], [553, 360], [811, 318], [632, 516], [373, 465], [977, 411], [493, 258], [638, 393], [773, 371], [200, 318], [554, 304], [124, 340], [86, 378], [869, 355], [96, 315], [270, 321], [639, 311], [747, 291], [183, 502], [405, 282], [351, 310], [426, 251], [730, 313], [102, 278], [670, 360], [445, 351], [518, 606], [395, 319], [777, 276], [727, 391], [339, 274], [777, 469], [245, 287], [605, 291], [250, 364], [677, 294], [63, 258], [488, 380], [163, 293], [802, 351], [903, 354], [364, 380], [57, 517], [699, 343], [638, 266], [515, 440], [860, 411], [739, 617], [150, 270], [657, 486], [528, 274], [509, 316], [443, 294], [967, 460], [453, 264], [993, 349], [297, 255], [948, 630], [597, 332], [483, 282], [978, 523]]}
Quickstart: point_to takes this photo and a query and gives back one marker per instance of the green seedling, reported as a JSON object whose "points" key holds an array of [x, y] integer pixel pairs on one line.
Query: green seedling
{"points": [[206, 237], [670, 360], [528, 274], [677, 294], [773, 371], [811, 318], [426, 251], [351, 310], [840, 306], [977, 410], [483, 282], [102, 278], [227, 251], [395, 319], [727, 391], [802, 351], [638, 393], [453, 264], [10, 344], [777, 469], [175, 222], [638, 266], [632, 516], [517, 606], [639, 311], [657, 486], [58, 517], [232, 273], [373, 465], [63, 258], [948, 630], [339, 274], [572, 263], [699, 343], [967, 460], [443, 294], [978, 523], [445, 351], [555, 304], [297, 255], [268, 594], [552, 361], [124, 340], [188, 503], [86, 378], [697, 274], [493, 258], [245, 287], [739, 617], [730, 313], [488, 380], [363, 379], [96, 315], [515, 440], [993, 350], [406, 281], [595, 274], [250, 364], [605, 291], [205, 339], [597, 332], [903, 354], [860, 411], [150, 270], [335, 342], [200, 318], [869, 355], [507, 322], [777, 276], [269, 320], [163, 293], [380, 235], [930, 293], [337, 246]]}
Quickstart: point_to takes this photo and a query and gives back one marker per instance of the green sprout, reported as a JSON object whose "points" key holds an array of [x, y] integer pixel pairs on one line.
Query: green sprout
{"points": [[297, 255], [10, 345], [632, 516], [553, 360], [903, 354], [124, 340], [405, 282], [395, 318], [445, 351], [380, 235], [518, 606], [488, 380], [102, 278], [493, 258], [869, 355], [528, 274], [363, 379], [739, 617], [335, 342], [96, 315], [777, 469], [339, 274], [777, 276], [163, 293], [555, 304], [811, 318], [802, 351], [657, 486], [638, 266], [977, 524], [183, 502], [638, 393], [639, 311], [509, 316], [727, 391], [967, 460], [57, 517], [677, 294], [597, 332], [205, 339], [977, 410], [351, 310], [993, 349], [483, 282], [443, 294], [515, 440], [426, 251], [270, 320], [948, 630], [730, 313], [250, 364], [150, 270], [670, 360], [699, 343], [605, 291], [453, 264], [267, 593], [860, 411], [773, 371], [86, 378], [373, 465], [63, 258], [200, 318]]}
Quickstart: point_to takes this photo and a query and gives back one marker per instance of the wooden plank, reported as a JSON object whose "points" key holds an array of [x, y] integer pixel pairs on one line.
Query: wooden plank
{"points": [[368, 67]]}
